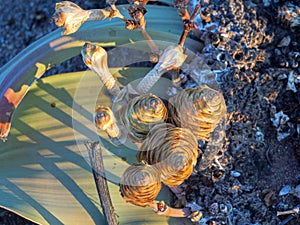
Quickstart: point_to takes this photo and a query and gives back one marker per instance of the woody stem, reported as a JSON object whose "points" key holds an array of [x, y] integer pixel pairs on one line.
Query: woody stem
{"points": [[188, 24]]}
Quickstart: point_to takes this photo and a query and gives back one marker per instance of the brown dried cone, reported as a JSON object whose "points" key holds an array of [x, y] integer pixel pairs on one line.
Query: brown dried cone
{"points": [[141, 114], [172, 150], [140, 184], [200, 109]]}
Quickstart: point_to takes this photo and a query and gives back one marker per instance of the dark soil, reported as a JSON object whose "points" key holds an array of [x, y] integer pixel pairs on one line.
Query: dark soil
{"points": [[257, 165]]}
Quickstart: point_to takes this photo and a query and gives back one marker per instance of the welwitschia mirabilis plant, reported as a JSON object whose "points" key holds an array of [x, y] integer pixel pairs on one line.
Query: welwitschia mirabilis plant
{"points": [[42, 170]]}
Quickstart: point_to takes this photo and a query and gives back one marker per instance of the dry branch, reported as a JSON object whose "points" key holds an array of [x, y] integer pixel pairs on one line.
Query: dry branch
{"points": [[95, 154]]}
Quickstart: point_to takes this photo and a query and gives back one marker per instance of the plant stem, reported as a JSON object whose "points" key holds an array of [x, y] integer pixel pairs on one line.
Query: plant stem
{"points": [[155, 50], [96, 159], [172, 58], [188, 25]]}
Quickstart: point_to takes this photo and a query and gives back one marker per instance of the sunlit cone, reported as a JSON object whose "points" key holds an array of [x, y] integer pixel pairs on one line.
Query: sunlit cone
{"points": [[140, 184], [172, 150], [200, 109], [141, 114]]}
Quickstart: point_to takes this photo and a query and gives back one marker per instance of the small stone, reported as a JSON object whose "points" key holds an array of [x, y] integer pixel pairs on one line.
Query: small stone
{"points": [[259, 136], [282, 76], [279, 119], [284, 42], [291, 82], [285, 190], [214, 208], [235, 174], [277, 51], [226, 208], [266, 3], [269, 197]]}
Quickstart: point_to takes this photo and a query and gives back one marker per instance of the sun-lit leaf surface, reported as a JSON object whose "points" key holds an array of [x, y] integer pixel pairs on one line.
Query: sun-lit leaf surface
{"points": [[53, 49], [44, 173]]}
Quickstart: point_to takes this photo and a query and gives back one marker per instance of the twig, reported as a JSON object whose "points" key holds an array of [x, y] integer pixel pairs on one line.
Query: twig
{"points": [[181, 7], [95, 154], [188, 25], [137, 12], [154, 49], [293, 211], [172, 58], [268, 154], [114, 12]]}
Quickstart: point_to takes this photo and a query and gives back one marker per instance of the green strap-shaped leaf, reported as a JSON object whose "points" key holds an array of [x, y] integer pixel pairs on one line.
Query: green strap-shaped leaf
{"points": [[18, 74], [44, 173]]}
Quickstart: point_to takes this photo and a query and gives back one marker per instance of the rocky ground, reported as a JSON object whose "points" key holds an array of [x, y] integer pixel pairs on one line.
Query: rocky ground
{"points": [[254, 47]]}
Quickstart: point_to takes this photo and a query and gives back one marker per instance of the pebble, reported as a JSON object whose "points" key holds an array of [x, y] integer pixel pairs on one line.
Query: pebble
{"points": [[226, 208], [214, 208], [284, 42], [235, 173], [285, 190]]}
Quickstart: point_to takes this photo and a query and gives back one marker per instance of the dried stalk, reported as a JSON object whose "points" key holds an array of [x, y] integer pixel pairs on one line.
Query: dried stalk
{"points": [[182, 10], [154, 49], [95, 154], [288, 212], [114, 12], [137, 11], [188, 25], [172, 58]]}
